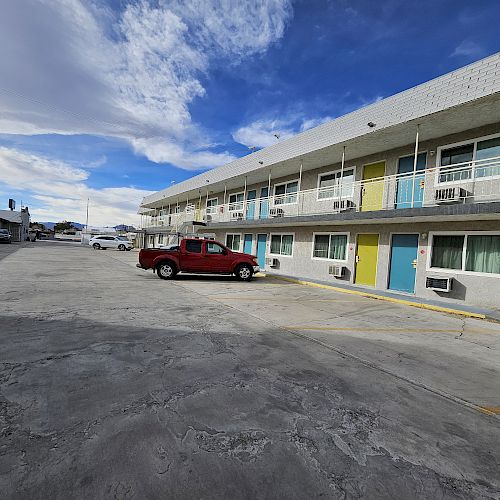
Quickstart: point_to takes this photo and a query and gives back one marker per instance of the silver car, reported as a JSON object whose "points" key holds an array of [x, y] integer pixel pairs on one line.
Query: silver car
{"points": [[101, 242]]}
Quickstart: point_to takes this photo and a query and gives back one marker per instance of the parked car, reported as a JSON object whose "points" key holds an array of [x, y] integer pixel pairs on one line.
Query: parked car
{"points": [[101, 242], [5, 236], [199, 257]]}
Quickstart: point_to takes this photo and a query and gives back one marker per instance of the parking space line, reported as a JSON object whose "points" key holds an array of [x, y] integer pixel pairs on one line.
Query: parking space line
{"points": [[368, 329]]}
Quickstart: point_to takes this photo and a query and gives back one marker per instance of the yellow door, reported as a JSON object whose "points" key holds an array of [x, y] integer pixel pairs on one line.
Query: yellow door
{"points": [[366, 259], [373, 188]]}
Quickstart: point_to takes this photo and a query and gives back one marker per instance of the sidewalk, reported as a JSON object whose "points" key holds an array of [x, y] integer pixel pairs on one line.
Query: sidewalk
{"points": [[401, 298]]}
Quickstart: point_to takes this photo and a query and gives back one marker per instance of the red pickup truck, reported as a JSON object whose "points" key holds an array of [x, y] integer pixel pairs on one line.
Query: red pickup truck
{"points": [[198, 256]]}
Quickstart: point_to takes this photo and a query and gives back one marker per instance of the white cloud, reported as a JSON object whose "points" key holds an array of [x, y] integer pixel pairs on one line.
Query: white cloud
{"points": [[131, 75], [261, 133], [469, 49], [62, 191]]}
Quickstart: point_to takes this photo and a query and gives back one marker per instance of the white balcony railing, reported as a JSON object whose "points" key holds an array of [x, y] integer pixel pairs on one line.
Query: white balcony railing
{"points": [[469, 182]]}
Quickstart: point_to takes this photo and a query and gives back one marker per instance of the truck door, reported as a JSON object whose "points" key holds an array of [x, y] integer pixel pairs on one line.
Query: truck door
{"points": [[191, 257], [217, 258]]}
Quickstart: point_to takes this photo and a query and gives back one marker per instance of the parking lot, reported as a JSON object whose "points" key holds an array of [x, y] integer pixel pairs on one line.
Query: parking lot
{"points": [[116, 384]]}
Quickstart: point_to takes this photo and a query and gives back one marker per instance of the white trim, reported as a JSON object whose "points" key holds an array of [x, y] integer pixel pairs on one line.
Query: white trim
{"points": [[347, 197], [212, 209], [234, 202], [234, 234], [285, 184], [430, 269], [331, 233], [280, 234]]}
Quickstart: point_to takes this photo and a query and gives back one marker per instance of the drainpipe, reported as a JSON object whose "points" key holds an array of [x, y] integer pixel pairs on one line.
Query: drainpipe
{"points": [[341, 178], [414, 167], [300, 187], [269, 188], [245, 199]]}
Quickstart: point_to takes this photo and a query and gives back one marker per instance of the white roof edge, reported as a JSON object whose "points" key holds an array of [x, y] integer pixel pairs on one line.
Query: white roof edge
{"points": [[465, 84]]}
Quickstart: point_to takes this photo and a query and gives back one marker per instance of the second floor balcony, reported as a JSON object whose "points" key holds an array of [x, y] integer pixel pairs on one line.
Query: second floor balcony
{"points": [[462, 183]]}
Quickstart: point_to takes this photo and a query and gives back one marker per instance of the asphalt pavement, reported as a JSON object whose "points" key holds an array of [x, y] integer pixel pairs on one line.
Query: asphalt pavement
{"points": [[116, 384]]}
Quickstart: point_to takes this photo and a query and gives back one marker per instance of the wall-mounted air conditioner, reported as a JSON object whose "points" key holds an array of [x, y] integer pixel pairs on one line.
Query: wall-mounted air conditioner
{"points": [[272, 261], [336, 271], [439, 284], [237, 215], [449, 195], [342, 205], [276, 212]]}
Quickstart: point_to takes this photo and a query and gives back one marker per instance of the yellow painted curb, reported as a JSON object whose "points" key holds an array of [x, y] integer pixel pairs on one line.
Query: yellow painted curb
{"points": [[490, 410], [420, 305]]}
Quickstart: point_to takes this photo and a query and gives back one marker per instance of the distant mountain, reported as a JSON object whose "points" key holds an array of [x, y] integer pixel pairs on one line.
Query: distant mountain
{"points": [[124, 227], [50, 225]]}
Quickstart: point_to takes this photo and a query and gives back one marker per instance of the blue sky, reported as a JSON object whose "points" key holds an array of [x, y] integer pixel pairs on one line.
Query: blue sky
{"points": [[112, 100]]}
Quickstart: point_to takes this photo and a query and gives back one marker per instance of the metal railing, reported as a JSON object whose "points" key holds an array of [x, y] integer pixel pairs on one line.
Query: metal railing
{"points": [[475, 181]]}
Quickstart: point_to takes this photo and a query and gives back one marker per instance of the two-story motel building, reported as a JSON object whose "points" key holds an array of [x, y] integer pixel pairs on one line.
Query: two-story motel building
{"points": [[350, 202]]}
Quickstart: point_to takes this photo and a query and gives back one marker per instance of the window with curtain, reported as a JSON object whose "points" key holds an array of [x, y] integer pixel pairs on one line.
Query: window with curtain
{"points": [[233, 241], [447, 251], [282, 244], [330, 184], [286, 193], [483, 254], [330, 246], [485, 151]]}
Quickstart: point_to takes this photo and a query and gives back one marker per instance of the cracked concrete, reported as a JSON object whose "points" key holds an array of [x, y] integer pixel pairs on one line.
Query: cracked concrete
{"points": [[115, 384]]}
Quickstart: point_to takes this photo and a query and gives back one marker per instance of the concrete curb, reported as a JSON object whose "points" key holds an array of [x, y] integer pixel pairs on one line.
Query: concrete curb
{"points": [[421, 305]]}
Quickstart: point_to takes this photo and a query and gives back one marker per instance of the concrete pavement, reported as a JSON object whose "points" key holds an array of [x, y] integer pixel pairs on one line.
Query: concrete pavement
{"points": [[116, 384]]}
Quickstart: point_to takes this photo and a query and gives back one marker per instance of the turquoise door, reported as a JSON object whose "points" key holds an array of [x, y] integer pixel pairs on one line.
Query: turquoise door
{"points": [[251, 195], [403, 269], [261, 250], [264, 203], [408, 184], [247, 244]]}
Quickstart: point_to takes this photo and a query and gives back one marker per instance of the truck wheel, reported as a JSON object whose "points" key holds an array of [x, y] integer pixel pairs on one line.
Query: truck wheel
{"points": [[96, 246], [244, 272], [165, 271], [121, 248]]}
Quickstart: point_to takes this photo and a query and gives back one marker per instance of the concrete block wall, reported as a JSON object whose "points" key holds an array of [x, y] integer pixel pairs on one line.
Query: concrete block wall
{"points": [[480, 290]]}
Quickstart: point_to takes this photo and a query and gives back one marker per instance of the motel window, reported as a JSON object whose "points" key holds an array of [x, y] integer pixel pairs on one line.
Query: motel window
{"points": [[282, 244], [233, 241], [478, 253], [336, 184], [212, 205], [236, 202], [480, 158], [286, 193], [330, 246]]}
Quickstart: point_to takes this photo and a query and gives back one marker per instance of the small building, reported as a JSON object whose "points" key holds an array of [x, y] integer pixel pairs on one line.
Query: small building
{"points": [[17, 222]]}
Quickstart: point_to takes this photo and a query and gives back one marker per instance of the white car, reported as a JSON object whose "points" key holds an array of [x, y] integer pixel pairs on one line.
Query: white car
{"points": [[101, 242]]}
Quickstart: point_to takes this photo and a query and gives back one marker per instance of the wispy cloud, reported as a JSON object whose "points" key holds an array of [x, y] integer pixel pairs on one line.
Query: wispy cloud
{"points": [[131, 74], [468, 49], [62, 190]]}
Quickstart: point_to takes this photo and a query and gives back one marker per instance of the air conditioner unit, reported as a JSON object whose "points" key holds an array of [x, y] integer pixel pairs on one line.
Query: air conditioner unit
{"points": [[336, 271], [450, 194], [276, 212], [272, 261], [439, 284], [237, 215], [342, 205]]}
